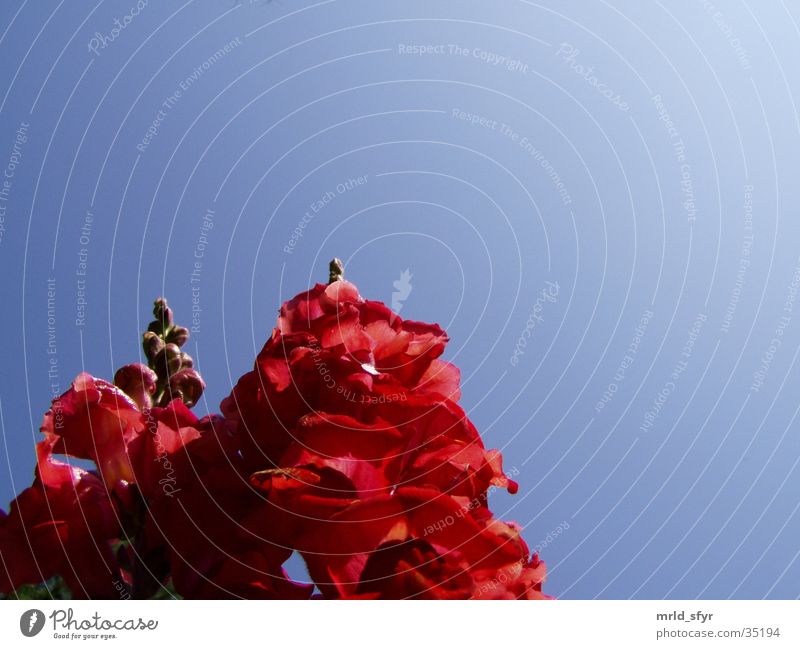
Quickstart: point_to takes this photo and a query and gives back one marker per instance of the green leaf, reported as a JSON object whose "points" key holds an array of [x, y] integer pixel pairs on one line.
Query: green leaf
{"points": [[53, 588], [167, 591]]}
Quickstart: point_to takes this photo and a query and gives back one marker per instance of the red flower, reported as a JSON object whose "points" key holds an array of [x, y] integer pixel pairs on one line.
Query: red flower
{"points": [[65, 524], [336, 460], [377, 476], [95, 420], [373, 336], [210, 529], [345, 443], [165, 431], [336, 353], [415, 543], [182, 489]]}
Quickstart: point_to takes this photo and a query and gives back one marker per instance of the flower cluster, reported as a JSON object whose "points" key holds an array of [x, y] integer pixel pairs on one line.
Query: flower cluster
{"points": [[345, 444]]}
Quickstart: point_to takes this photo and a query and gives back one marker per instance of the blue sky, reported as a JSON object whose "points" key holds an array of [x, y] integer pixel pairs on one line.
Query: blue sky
{"points": [[597, 201]]}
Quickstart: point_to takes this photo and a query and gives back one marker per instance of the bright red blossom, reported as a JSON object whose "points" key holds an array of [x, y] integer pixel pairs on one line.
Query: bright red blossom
{"points": [[63, 524], [345, 443]]}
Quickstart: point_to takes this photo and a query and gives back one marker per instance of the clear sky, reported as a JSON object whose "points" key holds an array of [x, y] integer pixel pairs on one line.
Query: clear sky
{"points": [[599, 202]]}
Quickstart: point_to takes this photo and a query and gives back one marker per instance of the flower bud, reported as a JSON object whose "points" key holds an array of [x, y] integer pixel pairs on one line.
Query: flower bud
{"points": [[174, 358], [168, 361], [152, 344], [336, 270], [187, 385], [138, 382], [178, 335], [162, 312]]}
